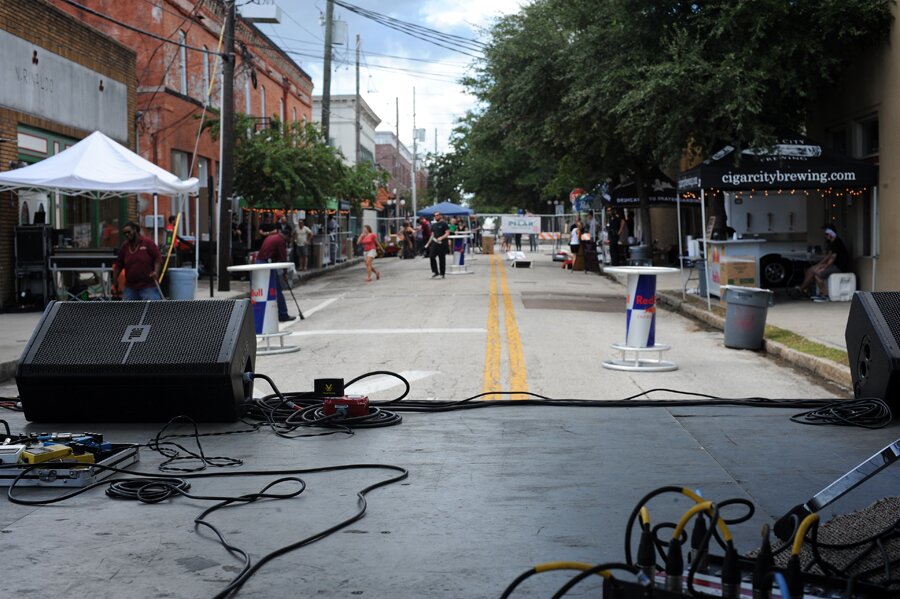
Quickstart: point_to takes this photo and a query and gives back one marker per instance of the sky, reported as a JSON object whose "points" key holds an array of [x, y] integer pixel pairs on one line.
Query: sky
{"points": [[392, 63]]}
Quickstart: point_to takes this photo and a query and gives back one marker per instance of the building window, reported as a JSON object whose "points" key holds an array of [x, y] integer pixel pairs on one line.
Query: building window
{"points": [[206, 78], [867, 137], [294, 112], [182, 63], [837, 140], [262, 101], [281, 111]]}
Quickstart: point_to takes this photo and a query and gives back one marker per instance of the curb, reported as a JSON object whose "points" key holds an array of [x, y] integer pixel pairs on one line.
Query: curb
{"points": [[822, 368]]}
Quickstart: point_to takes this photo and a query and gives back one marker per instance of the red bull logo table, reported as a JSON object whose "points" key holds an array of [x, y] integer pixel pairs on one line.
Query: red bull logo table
{"points": [[640, 324]]}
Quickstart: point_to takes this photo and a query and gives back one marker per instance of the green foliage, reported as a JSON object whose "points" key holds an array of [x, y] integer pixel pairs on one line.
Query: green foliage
{"points": [[573, 92], [284, 166]]}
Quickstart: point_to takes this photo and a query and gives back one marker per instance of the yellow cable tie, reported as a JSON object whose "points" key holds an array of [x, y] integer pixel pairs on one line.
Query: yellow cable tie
{"points": [[695, 509], [645, 516], [723, 528], [801, 533]]}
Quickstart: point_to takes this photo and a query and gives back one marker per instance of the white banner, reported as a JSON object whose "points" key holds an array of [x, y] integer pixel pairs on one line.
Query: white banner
{"points": [[520, 224]]}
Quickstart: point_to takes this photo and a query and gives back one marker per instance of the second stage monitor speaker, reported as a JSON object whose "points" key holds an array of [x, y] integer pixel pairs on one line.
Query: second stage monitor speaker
{"points": [[144, 361]]}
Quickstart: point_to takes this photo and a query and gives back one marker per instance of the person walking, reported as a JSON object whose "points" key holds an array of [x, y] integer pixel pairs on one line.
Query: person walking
{"points": [[426, 235], [437, 245], [274, 249], [302, 241], [369, 242], [141, 259]]}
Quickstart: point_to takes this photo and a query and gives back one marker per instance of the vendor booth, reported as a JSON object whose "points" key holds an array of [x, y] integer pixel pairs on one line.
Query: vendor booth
{"points": [[776, 200], [662, 195], [99, 168]]}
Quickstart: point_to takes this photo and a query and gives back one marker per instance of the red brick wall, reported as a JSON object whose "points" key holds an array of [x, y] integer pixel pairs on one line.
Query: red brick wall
{"points": [[47, 27]]}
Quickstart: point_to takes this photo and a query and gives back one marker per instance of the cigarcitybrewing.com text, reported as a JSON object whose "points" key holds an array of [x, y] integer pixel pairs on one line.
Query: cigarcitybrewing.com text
{"points": [[790, 177]]}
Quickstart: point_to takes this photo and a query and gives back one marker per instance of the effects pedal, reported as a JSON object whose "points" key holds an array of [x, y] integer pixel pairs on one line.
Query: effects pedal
{"points": [[350, 406]]}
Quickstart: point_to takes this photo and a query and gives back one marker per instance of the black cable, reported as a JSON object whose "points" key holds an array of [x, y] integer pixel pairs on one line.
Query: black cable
{"points": [[869, 412], [173, 456], [590, 572], [150, 488]]}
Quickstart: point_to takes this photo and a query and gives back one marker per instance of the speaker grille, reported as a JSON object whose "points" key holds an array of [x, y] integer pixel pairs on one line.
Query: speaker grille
{"points": [[183, 337], [888, 303]]}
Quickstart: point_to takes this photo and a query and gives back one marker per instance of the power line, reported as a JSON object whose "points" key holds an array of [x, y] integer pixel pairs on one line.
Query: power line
{"points": [[460, 65], [454, 43]]}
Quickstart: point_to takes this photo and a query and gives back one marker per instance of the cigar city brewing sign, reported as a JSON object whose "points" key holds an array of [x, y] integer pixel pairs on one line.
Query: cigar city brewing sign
{"points": [[35, 81]]}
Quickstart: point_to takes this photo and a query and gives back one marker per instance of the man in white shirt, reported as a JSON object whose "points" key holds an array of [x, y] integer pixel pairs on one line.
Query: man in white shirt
{"points": [[302, 240]]}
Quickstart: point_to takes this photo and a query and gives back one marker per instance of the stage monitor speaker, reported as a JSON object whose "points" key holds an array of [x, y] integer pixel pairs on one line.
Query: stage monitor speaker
{"points": [[32, 244], [141, 361], [873, 345]]}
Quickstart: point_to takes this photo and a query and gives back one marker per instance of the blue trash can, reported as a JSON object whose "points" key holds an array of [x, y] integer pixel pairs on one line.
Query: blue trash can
{"points": [[182, 283]]}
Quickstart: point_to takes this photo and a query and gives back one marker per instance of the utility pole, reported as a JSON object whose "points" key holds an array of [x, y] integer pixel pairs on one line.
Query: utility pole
{"points": [[226, 160], [326, 75], [415, 136], [396, 172], [356, 101]]}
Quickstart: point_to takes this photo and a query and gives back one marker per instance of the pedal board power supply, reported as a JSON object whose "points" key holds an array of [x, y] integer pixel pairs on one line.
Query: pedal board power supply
{"points": [[349, 406]]}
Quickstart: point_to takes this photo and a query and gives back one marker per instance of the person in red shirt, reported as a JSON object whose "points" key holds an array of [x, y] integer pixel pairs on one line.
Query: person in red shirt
{"points": [[274, 249], [141, 259], [426, 235], [369, 243]]}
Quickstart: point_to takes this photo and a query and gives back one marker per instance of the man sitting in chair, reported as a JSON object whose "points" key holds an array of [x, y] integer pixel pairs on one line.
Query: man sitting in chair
{"points": [[837, 259]]}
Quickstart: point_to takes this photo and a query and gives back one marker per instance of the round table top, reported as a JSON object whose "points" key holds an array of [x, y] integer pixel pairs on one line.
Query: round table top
{"points": [[263, 266], [640, 270]]}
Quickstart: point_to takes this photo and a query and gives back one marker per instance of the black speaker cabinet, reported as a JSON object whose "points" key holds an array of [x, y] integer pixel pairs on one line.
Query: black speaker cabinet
{"points": [[32, 244], [138, 361], [873, 345]]}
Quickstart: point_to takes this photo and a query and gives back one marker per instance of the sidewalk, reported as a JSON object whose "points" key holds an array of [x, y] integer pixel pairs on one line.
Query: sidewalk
{"points": [[17, 327], [823, 323]]}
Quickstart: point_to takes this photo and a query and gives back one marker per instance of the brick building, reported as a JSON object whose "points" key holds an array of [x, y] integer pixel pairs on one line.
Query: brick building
{"points": [[173, 81], [61, 81]]}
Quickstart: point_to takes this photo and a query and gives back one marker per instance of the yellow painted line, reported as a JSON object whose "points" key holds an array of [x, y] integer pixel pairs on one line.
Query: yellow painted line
{"points": [[492, 344], [518, 376]]}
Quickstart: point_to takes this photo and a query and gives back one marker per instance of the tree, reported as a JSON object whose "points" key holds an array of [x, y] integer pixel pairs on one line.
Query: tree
{"points": [[286, 167], [599, 89]]}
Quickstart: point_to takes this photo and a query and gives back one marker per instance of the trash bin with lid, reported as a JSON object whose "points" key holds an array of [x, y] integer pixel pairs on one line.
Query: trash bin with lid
{"points": [[745, 315], [182, 283]]}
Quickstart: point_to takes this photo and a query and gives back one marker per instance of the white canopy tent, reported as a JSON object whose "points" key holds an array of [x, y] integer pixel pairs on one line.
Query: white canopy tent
{"points": [[100, 167]]}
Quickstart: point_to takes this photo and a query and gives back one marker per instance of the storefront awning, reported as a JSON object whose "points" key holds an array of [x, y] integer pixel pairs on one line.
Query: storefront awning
{"points": [[795, 163]]}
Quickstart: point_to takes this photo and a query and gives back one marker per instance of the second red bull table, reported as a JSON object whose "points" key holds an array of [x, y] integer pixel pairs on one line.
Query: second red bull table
{"points": [[640, 325]]}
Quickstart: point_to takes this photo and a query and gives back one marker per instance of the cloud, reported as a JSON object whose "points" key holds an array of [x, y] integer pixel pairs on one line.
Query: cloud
{"points": [[441, 14]]}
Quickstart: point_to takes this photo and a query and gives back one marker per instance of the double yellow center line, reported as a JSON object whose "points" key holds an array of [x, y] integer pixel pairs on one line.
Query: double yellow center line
{"points": [[518, 379]]}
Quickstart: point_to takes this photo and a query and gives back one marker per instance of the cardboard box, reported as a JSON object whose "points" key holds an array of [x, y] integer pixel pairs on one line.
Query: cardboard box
{"points": [[738, 272]]}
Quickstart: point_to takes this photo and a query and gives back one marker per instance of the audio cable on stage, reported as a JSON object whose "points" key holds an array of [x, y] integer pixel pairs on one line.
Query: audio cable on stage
{"points": [[150, 488]]}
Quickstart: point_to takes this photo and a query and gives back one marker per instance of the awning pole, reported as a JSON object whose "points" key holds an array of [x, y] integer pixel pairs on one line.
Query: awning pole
{"points": [[876, 242], [155, 218], [680, 247], [705, 245]]}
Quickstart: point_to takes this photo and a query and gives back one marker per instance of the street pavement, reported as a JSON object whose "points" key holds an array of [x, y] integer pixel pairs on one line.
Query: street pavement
{"points": [[821, 322], [491, 492]]}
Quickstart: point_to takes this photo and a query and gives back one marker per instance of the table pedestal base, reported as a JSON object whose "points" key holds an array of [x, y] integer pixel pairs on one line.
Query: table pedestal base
{"points": [[268, 350], [638, 363]]}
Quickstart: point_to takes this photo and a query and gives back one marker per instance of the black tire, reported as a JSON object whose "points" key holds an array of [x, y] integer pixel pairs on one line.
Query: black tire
{"points": [[774, 272]]}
